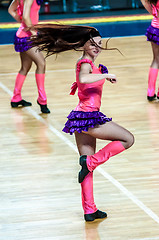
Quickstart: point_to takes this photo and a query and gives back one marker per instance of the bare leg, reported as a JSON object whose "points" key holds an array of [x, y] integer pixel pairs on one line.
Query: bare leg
{"points": [[37, 57], [113, 132], [155, 50], [86, 144], [26, 63]]}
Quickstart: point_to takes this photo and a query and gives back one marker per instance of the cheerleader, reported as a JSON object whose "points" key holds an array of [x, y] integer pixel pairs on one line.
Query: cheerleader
{"points": [[26, 12], [152, 33], [86, 121]]}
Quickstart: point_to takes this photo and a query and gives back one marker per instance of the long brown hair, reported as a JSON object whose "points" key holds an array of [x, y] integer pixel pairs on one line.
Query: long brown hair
{"points": [[153, 1], [56, 38]]}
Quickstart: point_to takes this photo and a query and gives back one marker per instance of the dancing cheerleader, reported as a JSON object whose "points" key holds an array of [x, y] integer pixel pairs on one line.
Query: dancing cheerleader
{"points": [[26, 12], [86, 121], [152, 33]]}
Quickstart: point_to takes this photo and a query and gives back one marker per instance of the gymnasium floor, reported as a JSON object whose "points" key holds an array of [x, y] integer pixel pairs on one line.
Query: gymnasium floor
{"points": [[39, 193]]}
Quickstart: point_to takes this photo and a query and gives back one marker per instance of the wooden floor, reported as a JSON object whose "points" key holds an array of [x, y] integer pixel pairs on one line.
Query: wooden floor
{"points": [[39, 193]]}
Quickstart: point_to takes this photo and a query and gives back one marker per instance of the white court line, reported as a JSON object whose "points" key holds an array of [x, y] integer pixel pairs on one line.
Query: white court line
{"points": [[150, 238], [131, 196], [49, 71], [68, 70]]}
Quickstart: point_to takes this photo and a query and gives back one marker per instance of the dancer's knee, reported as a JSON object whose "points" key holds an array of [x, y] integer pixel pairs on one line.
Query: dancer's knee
{"points": [[130, 141], [41, 65], [24, 70], [155, 62]]}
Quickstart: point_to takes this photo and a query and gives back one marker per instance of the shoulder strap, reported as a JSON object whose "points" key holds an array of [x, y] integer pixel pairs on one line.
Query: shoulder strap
{"points": [[84, 61]]}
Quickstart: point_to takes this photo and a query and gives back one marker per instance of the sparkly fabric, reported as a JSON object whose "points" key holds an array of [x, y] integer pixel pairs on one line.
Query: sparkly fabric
{"points": [[39, 2], [152, 34], [80, 121], [103, 68], [21, 44]]}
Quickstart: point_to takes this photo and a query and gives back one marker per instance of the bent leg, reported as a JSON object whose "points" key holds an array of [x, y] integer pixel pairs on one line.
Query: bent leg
{"points": [[121, 139]]}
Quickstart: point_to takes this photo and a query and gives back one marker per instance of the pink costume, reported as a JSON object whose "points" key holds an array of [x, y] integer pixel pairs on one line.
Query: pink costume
{"points": [[89, 94], [155, 20], [34, 16], [89, 101]]}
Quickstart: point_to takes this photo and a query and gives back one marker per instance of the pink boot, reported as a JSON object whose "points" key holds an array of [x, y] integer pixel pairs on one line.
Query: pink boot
{"points": [[153, 72], [87, 194], [17, 99], [42, 99], [89, 163], [90, 211]]}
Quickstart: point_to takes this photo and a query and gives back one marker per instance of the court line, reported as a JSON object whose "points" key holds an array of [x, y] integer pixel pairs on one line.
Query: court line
{"points": [[123, 189], [68, 70], [149, 238]]}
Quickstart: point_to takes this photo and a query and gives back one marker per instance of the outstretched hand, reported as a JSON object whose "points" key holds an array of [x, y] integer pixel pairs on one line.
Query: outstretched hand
{"points": [[112, 78]]}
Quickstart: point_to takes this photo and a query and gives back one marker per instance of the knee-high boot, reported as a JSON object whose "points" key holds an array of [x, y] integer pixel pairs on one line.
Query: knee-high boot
{"points": [[42, 99], [153, 72], [40, 78], [104, 154], [90, 211], [17, 89], [87, 194], [17, 100]]}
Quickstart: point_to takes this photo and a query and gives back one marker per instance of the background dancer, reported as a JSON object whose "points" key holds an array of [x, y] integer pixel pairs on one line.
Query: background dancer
{"points": [[27, 13], [152, 6]]}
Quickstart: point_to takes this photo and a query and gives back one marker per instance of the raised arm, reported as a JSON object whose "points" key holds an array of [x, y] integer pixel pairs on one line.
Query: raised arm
{"points": [[147, 6], [12, 10], [86, 76]]}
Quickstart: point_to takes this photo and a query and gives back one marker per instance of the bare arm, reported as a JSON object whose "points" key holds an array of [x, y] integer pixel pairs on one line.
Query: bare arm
{"points": [[147, 6], [85, 75], [12, 10], [26, 14]]}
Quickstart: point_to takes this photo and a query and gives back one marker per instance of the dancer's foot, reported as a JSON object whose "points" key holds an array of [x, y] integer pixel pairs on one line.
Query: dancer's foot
{"points": [[151, 98], [91, 217], [22, 103], [84, 171], [44, 108]]}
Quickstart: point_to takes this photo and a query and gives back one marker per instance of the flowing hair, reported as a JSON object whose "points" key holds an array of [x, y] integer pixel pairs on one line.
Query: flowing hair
{"points": [[57, 38], [154, 2]]}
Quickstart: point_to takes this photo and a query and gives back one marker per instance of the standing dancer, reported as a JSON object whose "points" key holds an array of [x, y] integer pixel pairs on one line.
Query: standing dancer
{"points": [[27, 13], [152, 6], [86, 122]]}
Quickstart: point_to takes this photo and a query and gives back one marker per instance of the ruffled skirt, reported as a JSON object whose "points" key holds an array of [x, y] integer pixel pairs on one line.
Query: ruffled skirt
{"points": [[21, 44], [152, 34], [81, 121]]}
